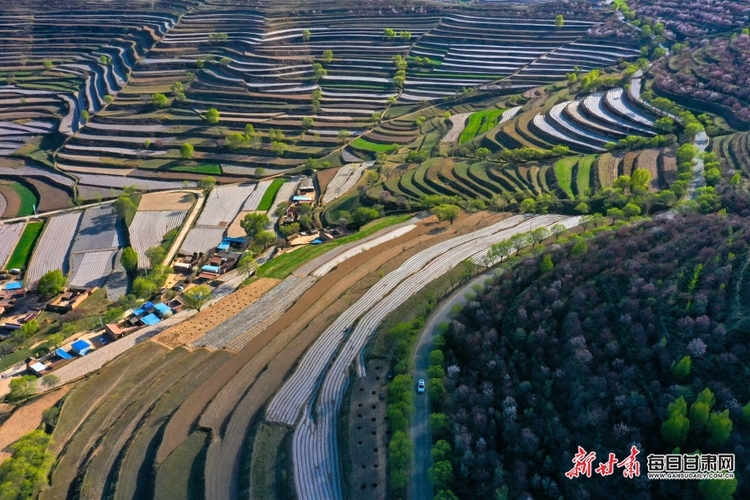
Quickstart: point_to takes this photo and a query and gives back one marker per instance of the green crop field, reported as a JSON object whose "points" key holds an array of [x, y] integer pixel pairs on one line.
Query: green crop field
{"points": [[28, 199], [211, 169], [564, 174], [479, 123], [270, 194], [22, 253], [583, 180], [362, 143]]}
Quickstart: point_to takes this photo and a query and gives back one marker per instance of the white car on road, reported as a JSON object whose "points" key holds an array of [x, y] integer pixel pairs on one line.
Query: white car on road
{"points": [[420, 386]]}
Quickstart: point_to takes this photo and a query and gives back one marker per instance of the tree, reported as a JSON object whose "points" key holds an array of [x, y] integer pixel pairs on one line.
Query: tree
{"points": [[546, 265], [445, 212], [682, 369], [196, 297], [25, 473], [699, 415], [389, 34], [306, 35], [343, 135], [559, 21], [631, 210], [47, 64], [582, 208], [159, 100], [143, 288], [186, 151], [538, 235], [307, 123], [254, 223], [720, 427], [129, 259], [639, 180], [290, 229], [125, 207], [156, 255], [327, 56], [441, 474], [212, 116], [405, 35], [318, 71], [247, 264], [218, 37], [264, 239], [50, 380], [482, 153], [675, 429], [557, 230], [22, 388], [207, 184], [440, 451], [51, 283], [30, 328]]}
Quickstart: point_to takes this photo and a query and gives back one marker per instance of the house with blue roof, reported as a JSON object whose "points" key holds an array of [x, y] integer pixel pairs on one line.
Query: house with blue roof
{"points": [[81, 347]]}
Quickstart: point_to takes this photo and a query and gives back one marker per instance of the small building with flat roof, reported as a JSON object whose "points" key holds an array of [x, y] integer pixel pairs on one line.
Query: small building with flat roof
{"points": [[80, 347]]}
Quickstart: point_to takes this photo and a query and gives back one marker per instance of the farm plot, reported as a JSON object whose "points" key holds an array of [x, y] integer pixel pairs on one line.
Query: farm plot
{"points": [[179, 200], [237, 331], [22, 252], [284, 194], [191, 330], [148, 229], [253, 201], [9, 236], [343, 181], [53, 248], [95, 247], [314, 446], [222, 206]]}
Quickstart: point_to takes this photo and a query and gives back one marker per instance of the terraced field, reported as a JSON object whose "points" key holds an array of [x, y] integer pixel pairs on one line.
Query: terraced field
{"points": [[95, 248], [54, 247], [9, 236], [733, 151]]}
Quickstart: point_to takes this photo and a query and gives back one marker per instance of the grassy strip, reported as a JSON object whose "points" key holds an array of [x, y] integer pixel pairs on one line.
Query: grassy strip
{"points": [[22, 252], [270, 194], [211, 169], [584, 173], [362, 143], [28, 199], [479, 123], [564, 174], [282, 266]]}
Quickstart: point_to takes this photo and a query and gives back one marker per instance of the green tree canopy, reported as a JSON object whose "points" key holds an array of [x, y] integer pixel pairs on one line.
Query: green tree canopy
{"points": [[212, 116], [129, 259], [559, 21], [22, 388], [196, 297], [186, 151], [159, 100], [720, 427], [156, 255], [51, 283], [254, 223], [446, 212], [207, 184]]}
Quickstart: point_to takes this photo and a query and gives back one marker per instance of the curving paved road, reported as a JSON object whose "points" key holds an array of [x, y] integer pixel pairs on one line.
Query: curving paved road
{"points": [[421, 488]]}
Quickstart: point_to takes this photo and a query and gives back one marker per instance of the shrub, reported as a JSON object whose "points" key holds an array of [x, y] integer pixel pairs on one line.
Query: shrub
{"points": [[51, 283]]}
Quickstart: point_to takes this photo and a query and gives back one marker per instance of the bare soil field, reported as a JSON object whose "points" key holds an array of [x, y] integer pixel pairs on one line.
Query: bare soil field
{"points": [[13, 201], [166, 201], [27, 418], [190, 330], [51, 197], [367, 431], [325, 176]]}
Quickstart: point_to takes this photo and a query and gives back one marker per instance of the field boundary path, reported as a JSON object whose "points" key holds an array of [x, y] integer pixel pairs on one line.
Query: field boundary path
{"points": [[177, 243], [419, 425]]}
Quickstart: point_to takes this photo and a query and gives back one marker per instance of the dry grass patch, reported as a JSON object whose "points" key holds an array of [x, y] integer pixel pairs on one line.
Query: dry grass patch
{"points": [[166, 201]]}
